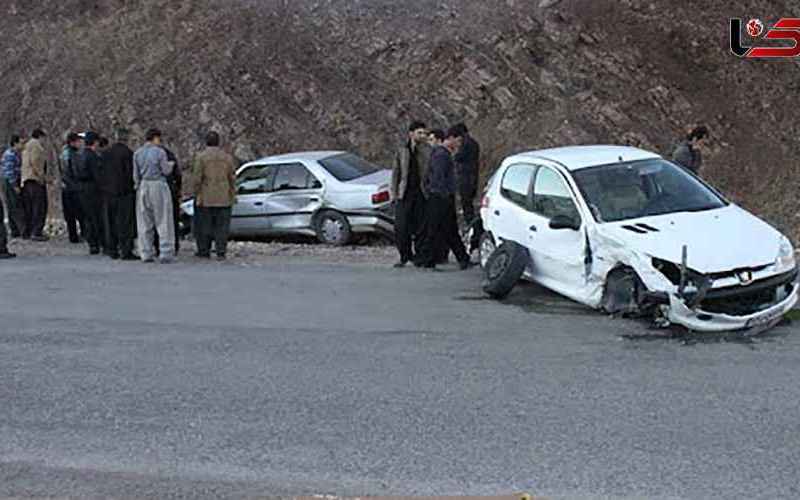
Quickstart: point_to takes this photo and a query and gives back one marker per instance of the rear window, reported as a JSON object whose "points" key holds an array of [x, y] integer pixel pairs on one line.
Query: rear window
{"points": [[346, 167]]}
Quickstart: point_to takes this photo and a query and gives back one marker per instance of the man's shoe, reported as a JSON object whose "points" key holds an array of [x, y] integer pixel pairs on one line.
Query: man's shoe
{"points": [[74, 241], [464, 265], [114, 256], [149, 261], [202, 255], [94, 251], [129, 257], [221, 257], [40, 238], [400, 265], [7, 255]]}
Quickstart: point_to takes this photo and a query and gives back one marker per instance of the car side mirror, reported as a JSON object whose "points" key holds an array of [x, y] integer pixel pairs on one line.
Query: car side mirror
{"points": [[564, 222]]}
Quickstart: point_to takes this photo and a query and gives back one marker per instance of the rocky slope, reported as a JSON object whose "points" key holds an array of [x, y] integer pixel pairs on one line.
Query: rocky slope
{"points": [[279, 75]]}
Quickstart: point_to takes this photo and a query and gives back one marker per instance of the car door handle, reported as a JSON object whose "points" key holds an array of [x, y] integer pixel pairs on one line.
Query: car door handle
{"points": [[259, 203], [313, 199], [534, 229], [497, 212]]}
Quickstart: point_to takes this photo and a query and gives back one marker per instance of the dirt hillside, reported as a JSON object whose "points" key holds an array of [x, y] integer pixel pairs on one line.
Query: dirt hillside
{"points": [[278, 75]]}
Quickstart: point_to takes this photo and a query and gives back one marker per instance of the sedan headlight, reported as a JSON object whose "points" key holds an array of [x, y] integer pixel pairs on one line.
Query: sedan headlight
{"points": [[785, 261]]}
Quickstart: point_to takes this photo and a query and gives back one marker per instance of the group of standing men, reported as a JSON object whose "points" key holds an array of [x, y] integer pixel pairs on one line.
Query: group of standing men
{"points": [[109, 194], [430, 169]]}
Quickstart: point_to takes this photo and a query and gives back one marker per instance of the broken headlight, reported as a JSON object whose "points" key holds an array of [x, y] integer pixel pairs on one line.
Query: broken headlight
{"points": [[785, 261], [668, 269]]}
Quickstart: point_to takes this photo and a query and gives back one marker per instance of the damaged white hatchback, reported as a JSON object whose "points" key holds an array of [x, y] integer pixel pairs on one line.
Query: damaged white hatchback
{"points": [[625, 231]]}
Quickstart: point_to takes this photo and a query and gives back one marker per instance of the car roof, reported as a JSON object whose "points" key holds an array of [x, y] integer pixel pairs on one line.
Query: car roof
{"points": [[298, 156], [578, 157]]}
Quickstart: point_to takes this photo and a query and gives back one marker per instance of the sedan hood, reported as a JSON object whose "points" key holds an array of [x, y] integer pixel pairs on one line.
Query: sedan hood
{"points": [[718, 240], [379, 178]]}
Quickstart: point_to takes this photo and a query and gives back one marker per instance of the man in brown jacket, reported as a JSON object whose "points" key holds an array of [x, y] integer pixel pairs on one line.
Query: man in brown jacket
{"points": [[214, 182], [34, 187], [410, 166]]}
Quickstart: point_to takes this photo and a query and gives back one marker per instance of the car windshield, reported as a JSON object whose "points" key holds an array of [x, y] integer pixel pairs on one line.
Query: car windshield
{"points": [[642, 189], [346, 167]]}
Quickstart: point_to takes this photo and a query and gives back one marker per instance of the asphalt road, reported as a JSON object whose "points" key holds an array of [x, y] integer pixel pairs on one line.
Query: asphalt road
{"points": [[206, 379]]}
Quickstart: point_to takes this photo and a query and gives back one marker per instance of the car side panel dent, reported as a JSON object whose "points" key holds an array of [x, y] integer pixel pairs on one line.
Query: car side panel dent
{"points": [[609, 254]]}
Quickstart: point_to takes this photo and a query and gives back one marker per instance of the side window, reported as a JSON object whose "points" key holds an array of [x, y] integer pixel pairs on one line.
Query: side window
{"points": [[295, 176], [552, 197], [256, 179], [517, 183]]}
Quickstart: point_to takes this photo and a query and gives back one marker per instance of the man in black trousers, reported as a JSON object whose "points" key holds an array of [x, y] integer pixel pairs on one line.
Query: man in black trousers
{"points": [[467, 160], [410, 165], [89, 172], [70, 195], [440, 211], [118, 198]]}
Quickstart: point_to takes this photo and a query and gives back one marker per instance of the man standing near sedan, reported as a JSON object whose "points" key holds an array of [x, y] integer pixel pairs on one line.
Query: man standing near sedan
{"points": [[34, 187], [441, 223], [153, 199], [410, 165], [214, 178]]}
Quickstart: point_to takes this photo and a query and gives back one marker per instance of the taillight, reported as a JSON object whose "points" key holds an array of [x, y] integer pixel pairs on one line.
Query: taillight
{"points": [[382, 197], [485, 201]]}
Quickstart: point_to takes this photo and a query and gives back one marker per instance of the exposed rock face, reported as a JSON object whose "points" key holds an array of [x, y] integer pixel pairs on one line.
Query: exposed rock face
{"points": [[279, 75]]}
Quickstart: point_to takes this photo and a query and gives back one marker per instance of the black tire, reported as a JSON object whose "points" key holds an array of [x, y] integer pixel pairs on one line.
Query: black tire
{"points": [[333, 228], [504, 269]]}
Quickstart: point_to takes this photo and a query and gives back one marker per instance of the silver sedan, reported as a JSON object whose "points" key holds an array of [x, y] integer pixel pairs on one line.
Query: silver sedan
{"points": [[332, 195]]}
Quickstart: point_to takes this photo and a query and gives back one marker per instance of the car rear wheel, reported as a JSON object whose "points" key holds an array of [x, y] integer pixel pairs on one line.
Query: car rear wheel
{"points": [[333, 228], [504, 268]]}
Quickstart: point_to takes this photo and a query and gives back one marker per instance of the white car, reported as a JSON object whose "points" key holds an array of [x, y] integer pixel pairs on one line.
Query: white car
{"points": [[625, 231], [332, 195]]}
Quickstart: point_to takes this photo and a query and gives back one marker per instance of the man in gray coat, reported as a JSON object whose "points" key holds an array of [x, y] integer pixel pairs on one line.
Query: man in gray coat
{"points": [[688, 154], [410, 165], [153, 199]]}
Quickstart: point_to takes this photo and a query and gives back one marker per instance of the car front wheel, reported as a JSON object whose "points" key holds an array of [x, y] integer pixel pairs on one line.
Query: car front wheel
{"points": [[333, 228], [504, 269]]}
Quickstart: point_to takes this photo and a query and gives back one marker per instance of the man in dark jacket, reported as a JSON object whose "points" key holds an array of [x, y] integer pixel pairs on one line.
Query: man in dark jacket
{"points": [[118, 198], [441, 222], [410, 165], [70, 200], [688, 154], [89, 172], [467, 161]]}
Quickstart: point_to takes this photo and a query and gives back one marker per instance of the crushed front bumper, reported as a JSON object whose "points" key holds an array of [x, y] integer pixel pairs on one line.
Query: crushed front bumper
{"points": [[702, 321]]}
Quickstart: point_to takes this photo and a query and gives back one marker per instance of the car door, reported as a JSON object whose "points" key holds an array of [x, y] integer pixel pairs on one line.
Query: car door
{"points": [[295, 196], [558, 254], [253, 187], [510, 213]]}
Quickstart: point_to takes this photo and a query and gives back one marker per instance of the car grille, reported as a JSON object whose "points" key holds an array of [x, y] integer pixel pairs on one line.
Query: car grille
{"points": [[747, 300]]}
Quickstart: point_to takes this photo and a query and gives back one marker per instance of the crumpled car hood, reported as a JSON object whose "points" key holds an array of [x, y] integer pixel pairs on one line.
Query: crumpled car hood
{"points": [[719, 240]]}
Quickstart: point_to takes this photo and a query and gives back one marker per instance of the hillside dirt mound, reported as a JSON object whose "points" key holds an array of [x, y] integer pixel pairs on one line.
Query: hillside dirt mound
{"points": [[279, 75]]}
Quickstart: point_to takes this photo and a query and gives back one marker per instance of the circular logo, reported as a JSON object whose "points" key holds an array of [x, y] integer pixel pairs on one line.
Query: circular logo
{"points": [[755, 27]]}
